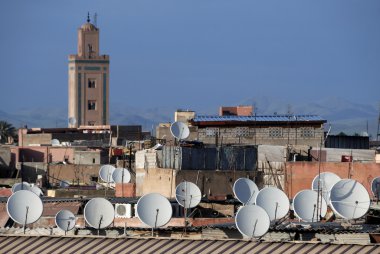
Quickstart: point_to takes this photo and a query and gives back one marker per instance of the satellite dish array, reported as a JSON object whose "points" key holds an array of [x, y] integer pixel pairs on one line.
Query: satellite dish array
{"points": [[346, 197], [153, 209], [260, 207]]}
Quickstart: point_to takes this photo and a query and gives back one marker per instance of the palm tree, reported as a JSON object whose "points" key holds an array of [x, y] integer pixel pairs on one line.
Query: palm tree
{"points": [[6, 131]]}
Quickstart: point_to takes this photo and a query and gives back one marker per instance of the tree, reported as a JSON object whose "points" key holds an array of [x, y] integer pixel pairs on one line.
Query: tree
{"points": [[6, 131]]}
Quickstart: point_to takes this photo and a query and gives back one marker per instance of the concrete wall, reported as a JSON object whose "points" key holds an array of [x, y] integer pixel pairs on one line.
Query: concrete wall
{"points": [[59, 154], [213, 184], [73, 173], [146, 159], [87, 157], [335, 154], [30, 171], [41, 139], [299, 175], [5, 156], [252, 135]]}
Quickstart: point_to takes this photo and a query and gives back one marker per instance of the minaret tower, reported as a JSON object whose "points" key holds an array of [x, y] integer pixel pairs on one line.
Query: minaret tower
{"points": [[88, 80]]}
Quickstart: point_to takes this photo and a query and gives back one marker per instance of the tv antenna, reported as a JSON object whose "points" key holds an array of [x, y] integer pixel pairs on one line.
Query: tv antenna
{"points": [[154, 210], [24, 207], [349, 199], [274, 201], [99, 213], [245, 191], [96, 20], [65, 220], [252, 221], [305, 206]]}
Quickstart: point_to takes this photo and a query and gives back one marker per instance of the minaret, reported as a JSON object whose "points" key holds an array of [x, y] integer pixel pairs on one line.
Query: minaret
{"points": [[88, 80]]}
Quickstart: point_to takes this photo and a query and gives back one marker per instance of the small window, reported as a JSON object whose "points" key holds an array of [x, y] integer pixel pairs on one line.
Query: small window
{"points": [[91, 105], [275, 132], [307, 132], [91, 123], [91, 83]]}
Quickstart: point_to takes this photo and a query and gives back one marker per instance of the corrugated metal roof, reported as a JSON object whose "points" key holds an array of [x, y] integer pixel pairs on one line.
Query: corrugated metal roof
{"points": [[259, 118], [50, 244]]}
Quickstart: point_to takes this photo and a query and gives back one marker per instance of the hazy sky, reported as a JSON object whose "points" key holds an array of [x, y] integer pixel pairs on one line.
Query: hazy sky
{"points": [[194, 54]]}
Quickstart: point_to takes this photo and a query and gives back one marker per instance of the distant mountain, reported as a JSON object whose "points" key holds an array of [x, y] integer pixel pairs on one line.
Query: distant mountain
{"points": [[343, 115]]}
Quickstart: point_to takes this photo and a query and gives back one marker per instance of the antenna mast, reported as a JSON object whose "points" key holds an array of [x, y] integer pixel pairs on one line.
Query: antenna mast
{"points": [[96, 19]]}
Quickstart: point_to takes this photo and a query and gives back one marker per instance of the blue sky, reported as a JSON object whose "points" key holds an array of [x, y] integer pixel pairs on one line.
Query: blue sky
{"points": [[195, 54]]}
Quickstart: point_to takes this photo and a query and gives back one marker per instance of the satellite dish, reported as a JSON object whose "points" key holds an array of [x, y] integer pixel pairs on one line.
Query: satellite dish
{"points": [[274, 201], [24, 207], [72, 120], [36, 191], [99, 213], [64, 184], [20, 186], [349, 199], [375, 187], [65, 220], [252, 221], [121, 175], [305, 206], [55, 142], [154, 210], [179, 130], [327, 181], [188, 194], [105, 173], [245, 191]]}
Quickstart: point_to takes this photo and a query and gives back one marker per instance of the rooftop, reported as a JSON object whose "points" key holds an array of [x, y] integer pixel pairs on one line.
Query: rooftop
{"points": [[260, 118]]}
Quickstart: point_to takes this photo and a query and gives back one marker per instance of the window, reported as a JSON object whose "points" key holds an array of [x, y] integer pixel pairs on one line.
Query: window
{"points": [[242, 131], [91, 123], [91, 83], [307, 132], [210, 132], [91, 105], [275, 132]]}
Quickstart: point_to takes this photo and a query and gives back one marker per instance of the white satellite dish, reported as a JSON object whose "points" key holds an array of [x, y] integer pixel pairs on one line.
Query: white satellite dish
{"points": [[64, 184], [72, 120], [179, 130], [245, 191], [252, 221], [65, 220], [188, 194], [154, 210], [121, 175], [326, 182], [55, 142], [105, 173], [375, 187], [24, 207], [349, 199], [20, 186], [36, 190], [99, 213], [305, 206], [274, 201]]}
